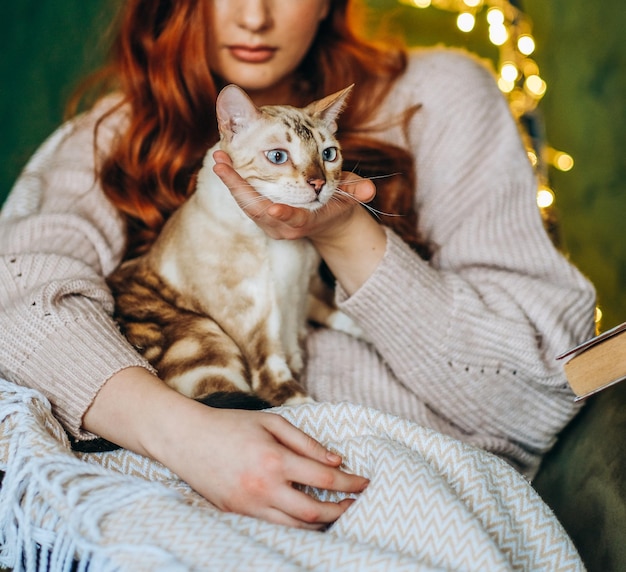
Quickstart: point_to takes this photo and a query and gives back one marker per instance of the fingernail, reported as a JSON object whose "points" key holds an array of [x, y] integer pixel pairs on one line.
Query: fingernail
{"points": [[333, 457], [367, 482]]}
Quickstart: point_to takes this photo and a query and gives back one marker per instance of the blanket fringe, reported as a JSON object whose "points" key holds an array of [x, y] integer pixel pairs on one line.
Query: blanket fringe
{"points": [[52, 507]]}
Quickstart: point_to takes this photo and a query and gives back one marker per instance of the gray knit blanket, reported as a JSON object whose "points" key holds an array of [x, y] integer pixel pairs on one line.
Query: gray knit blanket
{"points": [[433, 503]]}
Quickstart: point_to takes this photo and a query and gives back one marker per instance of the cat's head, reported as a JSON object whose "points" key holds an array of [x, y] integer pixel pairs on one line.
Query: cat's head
{"points": [[289, 155]]}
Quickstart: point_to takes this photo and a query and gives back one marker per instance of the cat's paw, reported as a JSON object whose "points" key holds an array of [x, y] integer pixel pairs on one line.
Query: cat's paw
{"points": [[299, 400], [342, 323]]}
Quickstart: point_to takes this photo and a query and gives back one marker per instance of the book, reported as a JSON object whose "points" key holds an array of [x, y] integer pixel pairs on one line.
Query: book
{"points": [[597, 363]]}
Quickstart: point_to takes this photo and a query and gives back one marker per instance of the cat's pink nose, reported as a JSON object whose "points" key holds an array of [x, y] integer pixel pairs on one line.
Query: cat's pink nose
{"points": [[317, 184]]}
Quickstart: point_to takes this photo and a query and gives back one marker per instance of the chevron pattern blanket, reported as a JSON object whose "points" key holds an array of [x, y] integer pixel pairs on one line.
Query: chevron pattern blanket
{"points": [[433, 504]]}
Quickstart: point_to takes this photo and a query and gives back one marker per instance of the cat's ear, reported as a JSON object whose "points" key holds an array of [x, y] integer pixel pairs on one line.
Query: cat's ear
{"points": [[234, 111], [329, 108]]}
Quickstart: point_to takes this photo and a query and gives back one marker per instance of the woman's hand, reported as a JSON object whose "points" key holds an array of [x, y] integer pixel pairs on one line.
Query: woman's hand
{"points": [[250, 460], [242, 461], [350, 241]]}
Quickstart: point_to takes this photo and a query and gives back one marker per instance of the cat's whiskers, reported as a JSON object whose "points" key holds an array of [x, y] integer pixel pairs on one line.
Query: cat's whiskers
{"points": [[377, 213], [253, 197], [369, 178], [374, 211], [257, 200], [258, 197]]}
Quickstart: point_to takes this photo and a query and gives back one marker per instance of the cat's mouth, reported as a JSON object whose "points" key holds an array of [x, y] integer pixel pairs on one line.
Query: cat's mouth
{"points": [[312, 205], [297, 197]]}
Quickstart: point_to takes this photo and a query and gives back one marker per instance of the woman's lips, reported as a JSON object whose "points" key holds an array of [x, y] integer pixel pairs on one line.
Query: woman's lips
{"points": [[254, 55]]}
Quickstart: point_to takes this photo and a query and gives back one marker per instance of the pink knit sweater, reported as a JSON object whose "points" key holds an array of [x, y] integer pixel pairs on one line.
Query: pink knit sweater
{"points": [[464, 344]]}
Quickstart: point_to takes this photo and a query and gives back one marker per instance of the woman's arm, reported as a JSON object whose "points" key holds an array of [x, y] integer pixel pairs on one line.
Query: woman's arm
{"points": [[474, 333], [242, 461], [59, 237]]}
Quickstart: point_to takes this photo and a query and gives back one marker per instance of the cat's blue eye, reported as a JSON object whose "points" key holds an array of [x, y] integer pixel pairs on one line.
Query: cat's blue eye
{"points": [[329, 154], [277, 156]]}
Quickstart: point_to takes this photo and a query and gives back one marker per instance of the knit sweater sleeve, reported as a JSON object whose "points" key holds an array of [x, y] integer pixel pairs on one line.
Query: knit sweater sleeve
{"points": [[474, 332], [59, 237]]}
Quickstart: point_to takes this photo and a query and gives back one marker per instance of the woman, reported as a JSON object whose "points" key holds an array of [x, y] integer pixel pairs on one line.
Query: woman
{"points": [[463, 342]]}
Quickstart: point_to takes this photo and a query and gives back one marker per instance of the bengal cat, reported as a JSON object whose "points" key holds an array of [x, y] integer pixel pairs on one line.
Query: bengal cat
{"points": [[217, 307]]}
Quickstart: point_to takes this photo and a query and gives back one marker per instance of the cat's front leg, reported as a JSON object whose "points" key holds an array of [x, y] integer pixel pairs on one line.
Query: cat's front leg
{"points": [[323, 314]]}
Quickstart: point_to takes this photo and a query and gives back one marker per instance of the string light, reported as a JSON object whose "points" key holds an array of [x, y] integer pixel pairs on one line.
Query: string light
{"points": [[526, 44], [466, 21], [545, 197], [510, 30], [560, 159]]}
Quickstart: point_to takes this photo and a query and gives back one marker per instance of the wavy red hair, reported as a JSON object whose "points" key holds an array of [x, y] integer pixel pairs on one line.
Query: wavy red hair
{"points": [[159, 63]]}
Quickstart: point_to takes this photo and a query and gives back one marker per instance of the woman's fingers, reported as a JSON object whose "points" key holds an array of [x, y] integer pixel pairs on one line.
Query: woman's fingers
{"points": [[293, 217], [290, 515], [277, 516], [311, 463], [361, 189], [312, 473], [244, 193], [221, 157], [298, 441], [306, 512]]}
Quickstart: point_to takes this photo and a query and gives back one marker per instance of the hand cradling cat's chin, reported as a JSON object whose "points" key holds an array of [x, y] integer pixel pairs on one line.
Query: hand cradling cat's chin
{"points": [[281, 221]]}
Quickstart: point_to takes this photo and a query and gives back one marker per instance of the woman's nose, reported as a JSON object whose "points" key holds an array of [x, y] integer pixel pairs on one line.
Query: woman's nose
{"points": [[255, 15]]}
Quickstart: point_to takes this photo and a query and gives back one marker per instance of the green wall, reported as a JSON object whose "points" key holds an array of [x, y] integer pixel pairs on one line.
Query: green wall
{"points": [[583, 55], [46, 46]]}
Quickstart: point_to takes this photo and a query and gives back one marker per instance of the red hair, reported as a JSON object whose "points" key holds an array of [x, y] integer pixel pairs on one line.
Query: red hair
{"points": [[160, 64]]}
